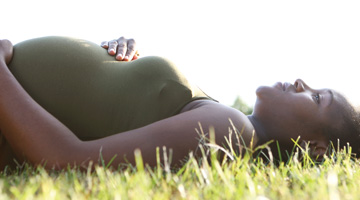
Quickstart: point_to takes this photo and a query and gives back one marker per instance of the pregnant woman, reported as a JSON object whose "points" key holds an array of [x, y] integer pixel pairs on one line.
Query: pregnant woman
{"points": [[66, 101]]}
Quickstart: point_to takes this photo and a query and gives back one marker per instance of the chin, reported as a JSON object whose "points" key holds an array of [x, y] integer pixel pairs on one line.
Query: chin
{"points": [[263, 91], [259, 90]]}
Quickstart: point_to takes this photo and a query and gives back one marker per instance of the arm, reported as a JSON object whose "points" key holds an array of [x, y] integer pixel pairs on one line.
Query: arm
{"points": [[37, 136], [21, 119]]}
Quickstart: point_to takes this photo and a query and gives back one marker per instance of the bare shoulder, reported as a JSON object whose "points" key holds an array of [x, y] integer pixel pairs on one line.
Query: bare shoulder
{"points": [[211, 105], [223, 118], [196, 104]]}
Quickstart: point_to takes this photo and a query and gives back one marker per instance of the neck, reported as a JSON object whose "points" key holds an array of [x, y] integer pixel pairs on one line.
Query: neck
{"points": [[259, 129]]}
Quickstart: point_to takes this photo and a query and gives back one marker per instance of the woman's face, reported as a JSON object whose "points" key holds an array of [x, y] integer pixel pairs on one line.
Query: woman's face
{"points": [[287, 111]]}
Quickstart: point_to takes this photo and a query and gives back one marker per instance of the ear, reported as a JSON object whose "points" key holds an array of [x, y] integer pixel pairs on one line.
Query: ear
{"points": [[318, 149]]}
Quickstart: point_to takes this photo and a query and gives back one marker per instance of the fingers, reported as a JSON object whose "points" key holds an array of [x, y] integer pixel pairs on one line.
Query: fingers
{"points": [[113, 44], [136, 55], [122, 48], [131, 49], [105, 45]]}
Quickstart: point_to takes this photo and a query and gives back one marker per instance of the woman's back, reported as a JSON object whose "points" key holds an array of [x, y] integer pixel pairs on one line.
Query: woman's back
{"points": [[93, 95]]}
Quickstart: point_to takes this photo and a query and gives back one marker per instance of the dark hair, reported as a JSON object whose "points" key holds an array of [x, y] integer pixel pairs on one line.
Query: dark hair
{"points": [[349, 131]]}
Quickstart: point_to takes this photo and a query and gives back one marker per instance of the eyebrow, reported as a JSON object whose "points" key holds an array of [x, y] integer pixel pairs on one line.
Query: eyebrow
{"points": [[332, 97]]}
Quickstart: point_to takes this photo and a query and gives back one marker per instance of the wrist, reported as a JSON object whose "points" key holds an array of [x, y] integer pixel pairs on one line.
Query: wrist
{"points": [[2, 62], [3, 65], [6, 51]]}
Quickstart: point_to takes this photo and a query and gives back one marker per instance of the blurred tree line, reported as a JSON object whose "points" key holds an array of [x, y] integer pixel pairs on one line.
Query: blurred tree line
{"points": [[242, 106]]}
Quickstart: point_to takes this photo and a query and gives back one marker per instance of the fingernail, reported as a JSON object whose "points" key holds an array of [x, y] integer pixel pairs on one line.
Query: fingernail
{"points": [[126, 58], [118, 57]]}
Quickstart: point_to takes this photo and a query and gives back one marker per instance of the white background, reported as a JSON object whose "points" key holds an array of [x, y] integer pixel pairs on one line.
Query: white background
{"points": [[228, 48]]}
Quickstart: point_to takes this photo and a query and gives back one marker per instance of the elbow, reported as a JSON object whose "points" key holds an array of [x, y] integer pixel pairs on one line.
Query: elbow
{"points": [[61, 158], [50, 162]]}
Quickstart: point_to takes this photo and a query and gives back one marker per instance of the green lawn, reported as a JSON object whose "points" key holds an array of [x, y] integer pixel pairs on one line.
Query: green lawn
{"points": [[243, 178]]}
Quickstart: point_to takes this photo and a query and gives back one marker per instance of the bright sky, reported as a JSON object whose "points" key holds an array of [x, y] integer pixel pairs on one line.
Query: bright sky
{"points": [[227, 48]]}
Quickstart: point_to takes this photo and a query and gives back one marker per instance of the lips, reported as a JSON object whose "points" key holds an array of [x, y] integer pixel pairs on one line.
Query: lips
{"points": [[286, 86], [279, 85], [283, 86]]}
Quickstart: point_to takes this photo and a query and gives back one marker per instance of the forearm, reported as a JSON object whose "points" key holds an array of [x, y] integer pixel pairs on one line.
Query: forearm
{"points": [[32, 132]]}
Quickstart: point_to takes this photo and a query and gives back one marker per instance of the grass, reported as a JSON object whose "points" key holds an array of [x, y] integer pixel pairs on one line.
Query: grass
{"points": [[338, 177]]}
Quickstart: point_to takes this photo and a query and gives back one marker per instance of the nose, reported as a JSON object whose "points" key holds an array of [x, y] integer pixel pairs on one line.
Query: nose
{"points": [[299, 85]]}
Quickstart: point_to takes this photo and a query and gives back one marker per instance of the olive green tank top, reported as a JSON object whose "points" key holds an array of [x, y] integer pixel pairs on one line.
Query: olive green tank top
{"points": [[94, 95]]}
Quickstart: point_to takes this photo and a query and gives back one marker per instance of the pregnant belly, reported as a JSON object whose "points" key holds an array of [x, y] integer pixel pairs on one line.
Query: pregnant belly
{"points": [[93, 95]]}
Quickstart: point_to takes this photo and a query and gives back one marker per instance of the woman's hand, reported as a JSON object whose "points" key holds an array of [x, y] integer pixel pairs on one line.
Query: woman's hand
{"points": [[6, 51], [123, 49]]}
